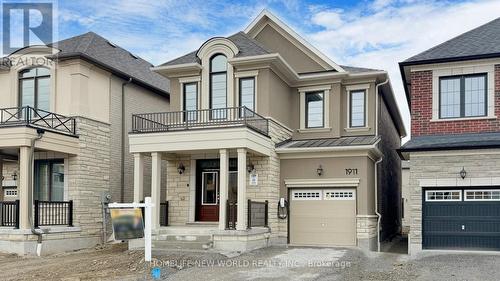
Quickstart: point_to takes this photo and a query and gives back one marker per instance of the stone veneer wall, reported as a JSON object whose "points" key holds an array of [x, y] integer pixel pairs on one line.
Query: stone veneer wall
{"points": [[178, 190], [442, 168]]}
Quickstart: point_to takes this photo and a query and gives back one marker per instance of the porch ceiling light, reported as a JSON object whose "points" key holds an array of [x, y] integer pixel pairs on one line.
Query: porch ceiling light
{"points": [[319, 170], [463, 173], [181, 168]]}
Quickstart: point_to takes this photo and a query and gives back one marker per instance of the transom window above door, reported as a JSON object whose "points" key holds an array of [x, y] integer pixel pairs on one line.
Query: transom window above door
{"points": [[34, 88], [463, 96]]}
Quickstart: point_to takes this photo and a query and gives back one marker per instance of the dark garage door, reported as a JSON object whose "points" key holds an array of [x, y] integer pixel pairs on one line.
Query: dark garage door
{"points": [[461, 219]]}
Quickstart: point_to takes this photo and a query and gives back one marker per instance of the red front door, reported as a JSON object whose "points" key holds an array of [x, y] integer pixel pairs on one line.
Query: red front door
{"points": [[208, 199]]}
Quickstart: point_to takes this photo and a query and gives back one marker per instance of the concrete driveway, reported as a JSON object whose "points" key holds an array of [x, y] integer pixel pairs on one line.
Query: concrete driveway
{"points": [[341, 264]]}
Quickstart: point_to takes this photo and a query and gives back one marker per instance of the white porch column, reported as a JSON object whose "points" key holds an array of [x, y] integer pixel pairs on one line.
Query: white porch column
{"points": [[155, 187], [23, 188], [1, 174], [224, 184], [242, 190], [138, 177]]}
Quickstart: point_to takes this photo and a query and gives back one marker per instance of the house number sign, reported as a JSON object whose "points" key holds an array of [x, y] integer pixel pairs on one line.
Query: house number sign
{"points": [[351, 172]]}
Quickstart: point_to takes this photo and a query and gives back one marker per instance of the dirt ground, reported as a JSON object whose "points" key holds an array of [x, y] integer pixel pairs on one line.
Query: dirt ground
{"points": [[115, 262]]}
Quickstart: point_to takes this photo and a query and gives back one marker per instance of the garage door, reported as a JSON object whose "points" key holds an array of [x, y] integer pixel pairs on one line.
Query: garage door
{"points": [[323, 217], [461, 219]]}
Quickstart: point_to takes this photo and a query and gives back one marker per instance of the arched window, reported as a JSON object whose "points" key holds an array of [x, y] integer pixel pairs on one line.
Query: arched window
{"points": [[34, 88], [218, 85]]}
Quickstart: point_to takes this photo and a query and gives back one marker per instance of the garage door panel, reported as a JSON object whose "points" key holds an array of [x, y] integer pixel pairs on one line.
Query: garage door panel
{"points": [[322, 222], [461, 224]]}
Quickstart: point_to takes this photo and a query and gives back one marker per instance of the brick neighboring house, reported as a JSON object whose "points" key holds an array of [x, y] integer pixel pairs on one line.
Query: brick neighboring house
{"points": [[454, 182], [77, 96]]}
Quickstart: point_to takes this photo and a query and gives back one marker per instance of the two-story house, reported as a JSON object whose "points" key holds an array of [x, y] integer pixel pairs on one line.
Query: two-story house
{"points": [[65, 113], [454, 182], [268, 141]]}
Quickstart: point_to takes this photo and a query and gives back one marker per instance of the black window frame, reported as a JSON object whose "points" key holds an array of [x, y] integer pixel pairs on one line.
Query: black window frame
{"points": [[35, 78], [184, 100], [306, 102], [50, 163], [240, 80], [462, 94], [211, 74], [364, 108]]}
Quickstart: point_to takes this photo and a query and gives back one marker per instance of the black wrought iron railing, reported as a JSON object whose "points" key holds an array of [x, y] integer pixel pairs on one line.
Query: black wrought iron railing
{"points": [[38, 118], [9, 213], [199, 119], [164, 214], [231, 214], [257, 213], [53, 213]]}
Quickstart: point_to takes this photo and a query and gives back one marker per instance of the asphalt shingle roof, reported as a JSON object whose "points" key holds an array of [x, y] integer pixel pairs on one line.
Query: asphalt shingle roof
{"points": [[96, 48], [247, 46], [446, 142], [481, 41], [330, 142]]}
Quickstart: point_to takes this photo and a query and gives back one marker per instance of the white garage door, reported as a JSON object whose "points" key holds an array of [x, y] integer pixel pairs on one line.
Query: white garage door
{"points": [[323, 217]]}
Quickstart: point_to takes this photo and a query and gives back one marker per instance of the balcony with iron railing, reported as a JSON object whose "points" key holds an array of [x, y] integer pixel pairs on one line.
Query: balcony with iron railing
{"points": [[37, 118], [200, 119]]}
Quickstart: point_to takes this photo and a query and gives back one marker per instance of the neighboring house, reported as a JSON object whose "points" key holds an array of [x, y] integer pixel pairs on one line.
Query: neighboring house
{"points": [[72, 103], [262, 115], [405, 196], [454, 93]]}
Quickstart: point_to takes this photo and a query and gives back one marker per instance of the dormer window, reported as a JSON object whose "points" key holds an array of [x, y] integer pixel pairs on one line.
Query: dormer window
{"points": [[218, 85], [34, 88]]}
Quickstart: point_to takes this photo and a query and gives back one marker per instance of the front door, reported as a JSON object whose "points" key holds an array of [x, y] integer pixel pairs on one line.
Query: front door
{"points": [[208, 188]]}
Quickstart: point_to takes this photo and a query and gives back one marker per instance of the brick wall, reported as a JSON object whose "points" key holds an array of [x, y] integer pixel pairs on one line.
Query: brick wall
{"points": [[421, 110]]}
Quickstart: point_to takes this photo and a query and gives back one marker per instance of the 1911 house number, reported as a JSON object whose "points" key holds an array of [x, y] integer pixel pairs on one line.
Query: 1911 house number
{"points": [[351, 172]]}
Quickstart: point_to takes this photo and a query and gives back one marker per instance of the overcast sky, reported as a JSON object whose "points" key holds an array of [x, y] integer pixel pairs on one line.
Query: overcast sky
{"points": [[375, 34]]}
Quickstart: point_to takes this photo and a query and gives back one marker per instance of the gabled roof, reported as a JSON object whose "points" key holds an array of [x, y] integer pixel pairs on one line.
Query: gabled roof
{"points": [[481, 41], [267, 15], [98, 50], [247, 47]]}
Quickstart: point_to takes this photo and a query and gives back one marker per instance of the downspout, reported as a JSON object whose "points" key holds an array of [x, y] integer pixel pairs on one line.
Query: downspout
{"points": [[122, 173], [34, 231], [379, 216]]}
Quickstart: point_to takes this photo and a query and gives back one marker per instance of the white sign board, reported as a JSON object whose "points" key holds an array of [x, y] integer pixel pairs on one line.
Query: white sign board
{"points": [[254, 179]]}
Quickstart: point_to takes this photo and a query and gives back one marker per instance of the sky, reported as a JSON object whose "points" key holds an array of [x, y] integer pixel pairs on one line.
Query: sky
{"points": [[368, 33]]}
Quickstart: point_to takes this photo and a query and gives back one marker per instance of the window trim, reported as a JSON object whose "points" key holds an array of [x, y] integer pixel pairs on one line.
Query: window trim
{"points": [[481, 190], [306, 110], [462, 95], [210, 75], [443, 200], [253, 94], [364, 108], [184, 116], [35, 85]]}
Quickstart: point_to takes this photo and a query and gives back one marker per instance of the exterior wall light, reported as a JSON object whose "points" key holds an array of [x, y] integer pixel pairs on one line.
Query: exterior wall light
{"points": [[319, 170], [181, 168], [463, 173], [250, 168], [14, 176]]}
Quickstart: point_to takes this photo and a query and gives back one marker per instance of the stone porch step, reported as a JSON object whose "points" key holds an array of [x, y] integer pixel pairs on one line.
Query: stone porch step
{"points": [[181, 245]]}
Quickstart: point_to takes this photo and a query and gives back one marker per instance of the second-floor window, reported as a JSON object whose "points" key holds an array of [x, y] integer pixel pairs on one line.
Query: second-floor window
{"points": [[462, 96], [315, 110], [357, 116], [190, 101], [218, 86], [247, 93], [34, 88]]}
